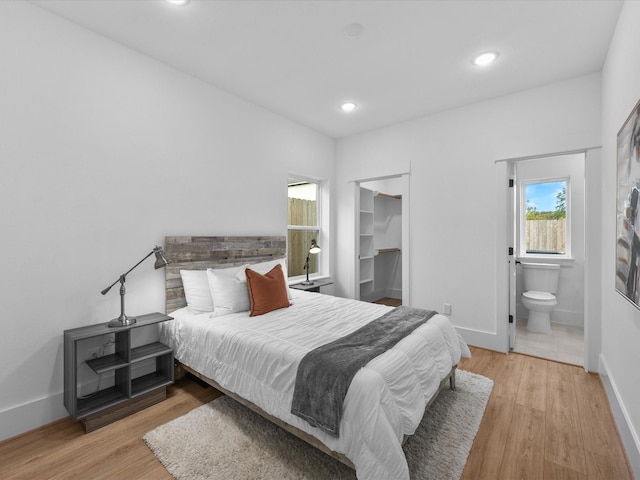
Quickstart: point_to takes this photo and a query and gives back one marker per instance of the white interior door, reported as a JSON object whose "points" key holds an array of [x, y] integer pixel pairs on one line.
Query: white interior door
{"points": [[356, 196], [511, 241]]}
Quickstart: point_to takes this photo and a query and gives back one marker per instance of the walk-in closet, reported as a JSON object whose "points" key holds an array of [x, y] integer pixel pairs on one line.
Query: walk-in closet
{"points": [[380, 241]]}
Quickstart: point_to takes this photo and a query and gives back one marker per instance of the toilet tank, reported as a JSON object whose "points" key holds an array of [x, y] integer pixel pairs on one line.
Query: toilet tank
{"points": [[541, 277]]}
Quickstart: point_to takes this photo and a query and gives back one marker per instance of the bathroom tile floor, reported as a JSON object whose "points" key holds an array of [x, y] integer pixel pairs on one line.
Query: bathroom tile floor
{"points": [[565, 343]]}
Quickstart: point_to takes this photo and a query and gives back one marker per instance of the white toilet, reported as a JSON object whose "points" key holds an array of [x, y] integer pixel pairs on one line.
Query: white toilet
{"points": [[540, 286]]}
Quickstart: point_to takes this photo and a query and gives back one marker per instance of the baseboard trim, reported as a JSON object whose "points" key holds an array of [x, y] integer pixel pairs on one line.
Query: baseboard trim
{"points": [[35, 414], [625, 427], [482, 339], [393, 293], [25, 417]]}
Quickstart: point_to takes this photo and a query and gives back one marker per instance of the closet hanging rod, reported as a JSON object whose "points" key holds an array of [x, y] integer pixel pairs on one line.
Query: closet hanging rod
{"points": [[388, 250]]}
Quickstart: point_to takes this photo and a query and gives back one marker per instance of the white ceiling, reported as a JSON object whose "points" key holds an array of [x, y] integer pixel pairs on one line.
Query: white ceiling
{"points": [[412, 59]]}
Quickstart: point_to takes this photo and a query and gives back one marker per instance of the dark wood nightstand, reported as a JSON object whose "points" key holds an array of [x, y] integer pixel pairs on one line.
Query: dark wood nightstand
{"points": [[127, 394], [315, 287]]}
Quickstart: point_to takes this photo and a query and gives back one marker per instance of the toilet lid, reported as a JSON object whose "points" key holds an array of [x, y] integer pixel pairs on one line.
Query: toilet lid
{"points": [[533, 295]]}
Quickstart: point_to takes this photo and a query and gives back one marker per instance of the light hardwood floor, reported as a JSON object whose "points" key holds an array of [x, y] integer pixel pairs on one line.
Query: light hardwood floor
{"points": [[62, 451], [544, 420], [392, 302]]}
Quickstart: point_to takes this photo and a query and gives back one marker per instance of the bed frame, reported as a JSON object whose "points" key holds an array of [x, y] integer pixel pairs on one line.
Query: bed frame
{"points": [[200, 253]]}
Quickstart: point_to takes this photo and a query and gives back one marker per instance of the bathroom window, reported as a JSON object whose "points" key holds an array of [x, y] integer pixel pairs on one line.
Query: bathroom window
{"points": [[544, 225]]}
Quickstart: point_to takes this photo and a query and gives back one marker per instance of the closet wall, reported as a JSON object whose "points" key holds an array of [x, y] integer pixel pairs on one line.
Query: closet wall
{"points": [[387, 241]]}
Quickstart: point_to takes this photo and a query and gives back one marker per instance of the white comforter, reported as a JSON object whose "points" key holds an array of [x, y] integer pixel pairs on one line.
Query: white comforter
{"points": [[257, 358]]}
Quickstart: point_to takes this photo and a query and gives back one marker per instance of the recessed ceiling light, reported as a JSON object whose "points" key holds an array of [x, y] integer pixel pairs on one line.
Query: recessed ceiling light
{"points": [[178, 2], [485, 59], [348, 107]]}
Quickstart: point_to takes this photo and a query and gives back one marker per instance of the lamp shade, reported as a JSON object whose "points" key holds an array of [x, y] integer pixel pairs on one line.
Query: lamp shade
{"points": [[161, 260], [315, 248]]}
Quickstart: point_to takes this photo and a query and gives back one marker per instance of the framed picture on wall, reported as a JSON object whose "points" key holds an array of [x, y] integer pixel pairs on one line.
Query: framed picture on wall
{"points": [[628, 209]]}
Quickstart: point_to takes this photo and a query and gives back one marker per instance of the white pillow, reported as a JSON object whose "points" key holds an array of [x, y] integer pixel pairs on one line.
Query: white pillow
{"points": [[196, 290], [229, 291], [264, 268]]}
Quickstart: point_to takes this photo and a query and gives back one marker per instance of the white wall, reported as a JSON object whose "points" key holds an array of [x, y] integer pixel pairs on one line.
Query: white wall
{"points": [[570, 294], [103, 153], [458, 192], [620, 320]]}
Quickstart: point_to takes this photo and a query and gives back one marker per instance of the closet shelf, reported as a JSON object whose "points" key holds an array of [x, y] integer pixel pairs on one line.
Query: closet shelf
{"points": [[397, 197]]}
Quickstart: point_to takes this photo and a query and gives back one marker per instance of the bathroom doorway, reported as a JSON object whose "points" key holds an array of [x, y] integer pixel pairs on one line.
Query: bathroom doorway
{"points": [[548, 225]]}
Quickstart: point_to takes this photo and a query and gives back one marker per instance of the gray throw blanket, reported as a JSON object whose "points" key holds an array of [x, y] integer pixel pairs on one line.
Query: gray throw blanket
{"points": [[325, 373]]}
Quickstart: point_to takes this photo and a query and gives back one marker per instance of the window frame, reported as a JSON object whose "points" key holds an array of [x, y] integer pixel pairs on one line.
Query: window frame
{"points": [[522, 217], [321, 238]]}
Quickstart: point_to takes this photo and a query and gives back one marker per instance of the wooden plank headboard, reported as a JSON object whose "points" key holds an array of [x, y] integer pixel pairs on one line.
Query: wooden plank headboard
{"points": [[200, 253]]}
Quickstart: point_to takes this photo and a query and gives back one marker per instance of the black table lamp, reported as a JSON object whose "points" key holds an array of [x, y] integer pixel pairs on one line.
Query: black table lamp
{"points": [[123, 320], [315, 248]]}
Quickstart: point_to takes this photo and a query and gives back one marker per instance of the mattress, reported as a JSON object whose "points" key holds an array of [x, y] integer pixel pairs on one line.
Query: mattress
{"points": [[257, 358]]}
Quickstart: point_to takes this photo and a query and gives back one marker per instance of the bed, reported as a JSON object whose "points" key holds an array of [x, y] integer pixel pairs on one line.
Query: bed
{"points": [[254, 359]]}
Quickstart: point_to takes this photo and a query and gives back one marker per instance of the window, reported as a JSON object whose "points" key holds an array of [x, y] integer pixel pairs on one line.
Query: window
{"points": [[544, 225], [304, 225]]}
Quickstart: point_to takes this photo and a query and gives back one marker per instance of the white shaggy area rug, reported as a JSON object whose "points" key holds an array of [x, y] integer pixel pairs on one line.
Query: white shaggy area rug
{"points": [[224, 440]]}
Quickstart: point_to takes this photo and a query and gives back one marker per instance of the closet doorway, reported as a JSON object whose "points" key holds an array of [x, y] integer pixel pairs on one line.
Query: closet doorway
{"points": [[382, 243]]}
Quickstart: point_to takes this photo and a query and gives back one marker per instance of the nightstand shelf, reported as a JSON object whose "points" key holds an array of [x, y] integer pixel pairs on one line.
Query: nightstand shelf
{"points": [[148, 382], [107, 363], [104, 398], [314, 287], [126, 395], [151, 350]]}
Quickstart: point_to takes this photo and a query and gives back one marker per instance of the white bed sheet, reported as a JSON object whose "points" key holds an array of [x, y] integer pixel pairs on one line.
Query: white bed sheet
{"points": [[257, 358]]}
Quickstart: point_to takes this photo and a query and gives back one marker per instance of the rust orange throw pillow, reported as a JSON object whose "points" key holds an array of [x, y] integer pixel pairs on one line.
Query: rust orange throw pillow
{"points": [[267, 292]]}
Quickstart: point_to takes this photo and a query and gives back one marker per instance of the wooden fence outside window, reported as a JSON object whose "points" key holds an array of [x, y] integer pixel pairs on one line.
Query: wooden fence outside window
{"points": [[546, 235], [301, 213]]}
